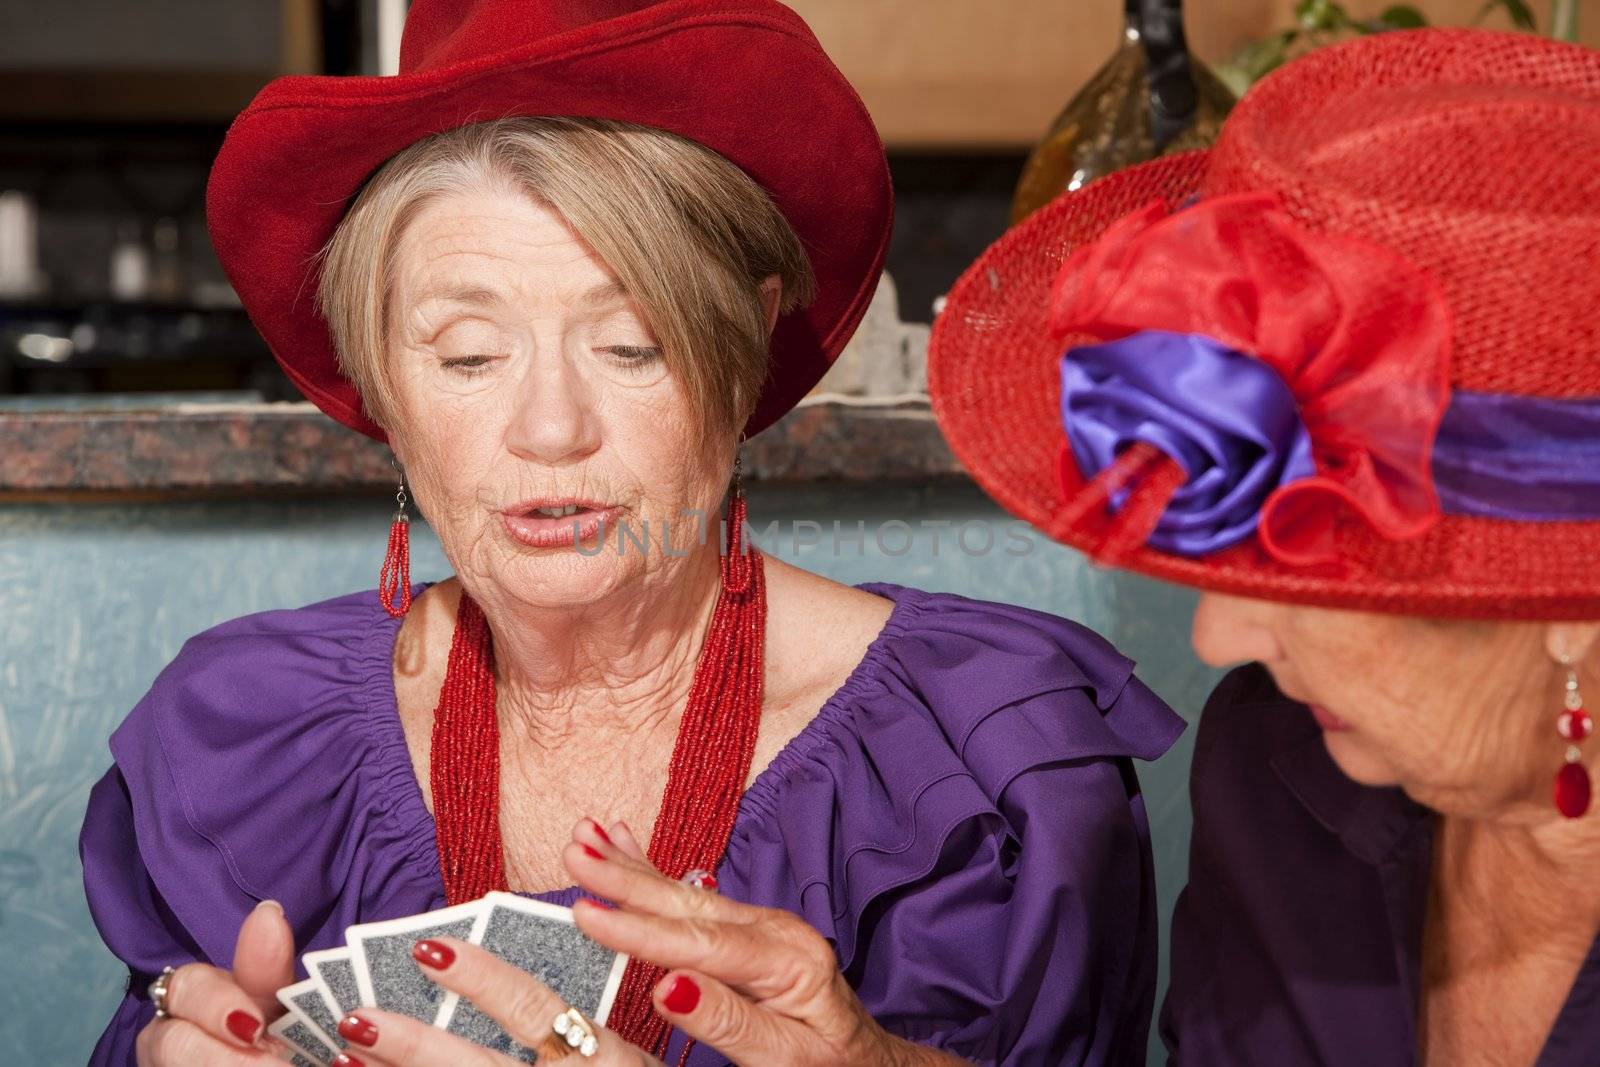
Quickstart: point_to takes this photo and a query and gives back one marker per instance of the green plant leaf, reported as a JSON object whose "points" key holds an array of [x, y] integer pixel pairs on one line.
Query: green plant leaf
{"points": [[1402, 17], [1267, 55], [1519, 11], [1236, 79], [1255, 60], [1314, 15]]}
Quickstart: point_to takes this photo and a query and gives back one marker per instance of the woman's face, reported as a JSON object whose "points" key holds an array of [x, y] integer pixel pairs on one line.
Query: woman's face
{"points": [[528, 383], [1460, 714]]}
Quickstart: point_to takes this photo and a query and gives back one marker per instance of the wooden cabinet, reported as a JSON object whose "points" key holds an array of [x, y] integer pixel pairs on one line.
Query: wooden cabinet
{"points": [[991, 74]]}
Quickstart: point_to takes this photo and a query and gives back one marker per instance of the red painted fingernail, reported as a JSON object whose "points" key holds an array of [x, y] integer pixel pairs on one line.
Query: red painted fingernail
{"points": [[243, 1025], [355, 1028], [709, 882], [433, 954], [682, 996], [344, 1059], [592, 852], [600, 831]]}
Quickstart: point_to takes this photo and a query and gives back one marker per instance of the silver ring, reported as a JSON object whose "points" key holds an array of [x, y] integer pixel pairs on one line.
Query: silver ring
{"points": [[578, 1033], [160, 986]]}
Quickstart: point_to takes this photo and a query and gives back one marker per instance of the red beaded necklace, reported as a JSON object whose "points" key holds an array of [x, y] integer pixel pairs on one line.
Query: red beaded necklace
{"points": [[710, 761]]}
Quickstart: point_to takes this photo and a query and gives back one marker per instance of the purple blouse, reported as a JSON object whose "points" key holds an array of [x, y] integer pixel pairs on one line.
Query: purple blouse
{"points": [[960, 820], [1298, 939]]}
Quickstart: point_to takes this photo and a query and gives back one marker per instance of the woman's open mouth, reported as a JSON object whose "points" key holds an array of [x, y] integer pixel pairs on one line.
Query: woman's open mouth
{"points": [[558, 523]]}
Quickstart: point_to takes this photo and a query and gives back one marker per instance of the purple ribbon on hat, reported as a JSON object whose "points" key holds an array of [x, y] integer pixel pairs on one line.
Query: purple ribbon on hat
{"points": [[1528, 458], [1232, 424]]}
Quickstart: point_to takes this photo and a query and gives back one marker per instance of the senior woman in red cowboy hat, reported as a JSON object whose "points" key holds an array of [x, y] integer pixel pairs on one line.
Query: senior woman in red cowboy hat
{"points": [[1342, 373], [559, 263]]}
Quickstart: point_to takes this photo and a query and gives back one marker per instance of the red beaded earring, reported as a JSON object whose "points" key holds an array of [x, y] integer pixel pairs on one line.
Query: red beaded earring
{"points": [[737, 565], [1574, 725], [394, 581]]}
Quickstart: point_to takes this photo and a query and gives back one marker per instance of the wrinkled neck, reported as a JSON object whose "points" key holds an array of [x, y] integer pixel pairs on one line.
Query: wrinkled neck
{"points": [[616, 666]]}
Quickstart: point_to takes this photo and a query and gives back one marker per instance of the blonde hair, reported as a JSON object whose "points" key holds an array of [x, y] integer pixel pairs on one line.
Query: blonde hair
{"points": [[690, 236]]}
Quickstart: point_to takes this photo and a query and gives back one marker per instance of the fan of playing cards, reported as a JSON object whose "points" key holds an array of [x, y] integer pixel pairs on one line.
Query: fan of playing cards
{"points": [[375, 970]]}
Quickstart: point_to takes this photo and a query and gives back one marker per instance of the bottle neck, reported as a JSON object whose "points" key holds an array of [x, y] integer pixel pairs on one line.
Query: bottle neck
{"points": [[1157, 26], [1160, 20]]}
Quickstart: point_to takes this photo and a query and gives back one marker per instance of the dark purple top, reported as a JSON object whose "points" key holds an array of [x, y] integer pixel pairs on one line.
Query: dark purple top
{"points": [[960, 820], [1298, 939]]}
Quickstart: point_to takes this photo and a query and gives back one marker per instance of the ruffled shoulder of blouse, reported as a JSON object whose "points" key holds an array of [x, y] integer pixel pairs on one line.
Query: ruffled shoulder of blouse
{"points": [[954, 700], [270, 741]]}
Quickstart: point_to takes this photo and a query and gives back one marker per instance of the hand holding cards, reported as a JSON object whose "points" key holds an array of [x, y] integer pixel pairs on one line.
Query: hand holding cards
{"points": [[376, 969]]}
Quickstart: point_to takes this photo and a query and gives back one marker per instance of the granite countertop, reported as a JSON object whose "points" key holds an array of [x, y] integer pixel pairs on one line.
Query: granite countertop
{"points": [[239, 449], [868, 422]]}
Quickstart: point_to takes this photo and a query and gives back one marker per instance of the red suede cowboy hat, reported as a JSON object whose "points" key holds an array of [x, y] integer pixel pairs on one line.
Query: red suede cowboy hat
{"points": [[745, 78], [1350, 356]]}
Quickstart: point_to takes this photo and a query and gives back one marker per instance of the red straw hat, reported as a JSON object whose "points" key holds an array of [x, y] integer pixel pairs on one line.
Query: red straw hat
{"points": [[745, 78], [1350, 356]]}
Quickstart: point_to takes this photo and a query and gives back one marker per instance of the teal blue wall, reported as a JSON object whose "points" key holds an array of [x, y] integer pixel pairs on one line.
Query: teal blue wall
{"points": [[95, 599]]}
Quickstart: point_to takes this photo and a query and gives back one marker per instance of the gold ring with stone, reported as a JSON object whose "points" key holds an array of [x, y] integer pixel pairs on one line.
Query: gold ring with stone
{"points": [[569, 1032]]}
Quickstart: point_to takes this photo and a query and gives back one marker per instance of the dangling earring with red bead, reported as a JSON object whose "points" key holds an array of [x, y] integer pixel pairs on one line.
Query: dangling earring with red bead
{"points": [[394, 581], [1574, 725], [736, 562]]}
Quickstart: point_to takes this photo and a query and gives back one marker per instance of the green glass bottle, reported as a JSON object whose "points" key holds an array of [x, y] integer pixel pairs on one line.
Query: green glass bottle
{"points": [[1150, 99]]}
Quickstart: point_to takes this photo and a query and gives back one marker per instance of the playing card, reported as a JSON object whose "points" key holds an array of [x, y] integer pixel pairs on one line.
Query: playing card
{"points": [[302, 1040], [387, 976], [335, 977], [542, 940], [304, 1001]]}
